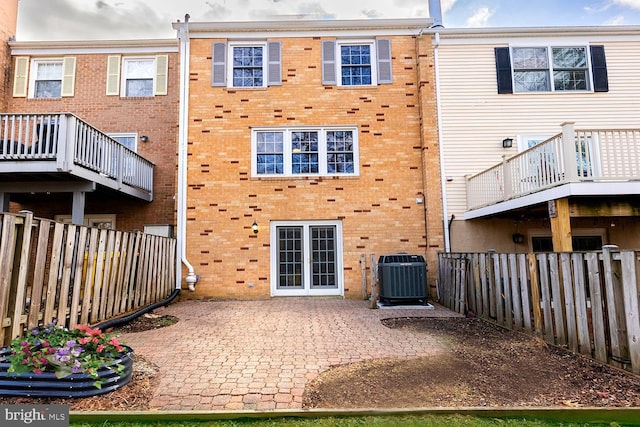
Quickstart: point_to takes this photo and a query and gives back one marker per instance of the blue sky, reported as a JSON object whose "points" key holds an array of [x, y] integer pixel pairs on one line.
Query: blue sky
{"points": [[127, 19]]}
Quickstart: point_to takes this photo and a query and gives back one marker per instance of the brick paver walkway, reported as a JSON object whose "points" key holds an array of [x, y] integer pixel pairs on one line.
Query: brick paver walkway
{"points": [[259, 355]]}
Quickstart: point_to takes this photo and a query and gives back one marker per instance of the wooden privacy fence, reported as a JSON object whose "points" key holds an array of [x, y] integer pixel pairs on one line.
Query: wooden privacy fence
{"points": [[584, 301], [71, 274]]}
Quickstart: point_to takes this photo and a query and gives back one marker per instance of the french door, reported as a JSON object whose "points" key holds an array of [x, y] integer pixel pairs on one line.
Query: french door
{"points": [[306, 258]]}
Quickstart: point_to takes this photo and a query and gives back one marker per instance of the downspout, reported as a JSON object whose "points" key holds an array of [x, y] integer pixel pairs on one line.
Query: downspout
{"points": [[435, 12], [183, 128], [445, 223]]}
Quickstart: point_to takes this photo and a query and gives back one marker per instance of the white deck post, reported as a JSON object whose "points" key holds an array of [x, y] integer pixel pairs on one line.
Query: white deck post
{"points": [[506, 176], [569, 152]]}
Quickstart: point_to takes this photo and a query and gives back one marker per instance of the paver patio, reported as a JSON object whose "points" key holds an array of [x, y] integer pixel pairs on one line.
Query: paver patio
{"points": [[260, 354]]}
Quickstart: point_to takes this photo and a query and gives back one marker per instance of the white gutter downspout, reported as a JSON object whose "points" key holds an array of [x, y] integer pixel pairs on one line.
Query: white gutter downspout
{"points": [[183, 128], [445, 222]]}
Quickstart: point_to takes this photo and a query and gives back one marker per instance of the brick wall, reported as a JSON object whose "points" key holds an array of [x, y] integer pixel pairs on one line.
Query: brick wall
{"points": [[156, 117], [378, 209], [8, 20]]}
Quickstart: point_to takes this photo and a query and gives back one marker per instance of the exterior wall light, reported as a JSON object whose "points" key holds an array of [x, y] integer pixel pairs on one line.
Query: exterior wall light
{"points": [[255, 227], [507, 143], [517, 238], [144, 138]]}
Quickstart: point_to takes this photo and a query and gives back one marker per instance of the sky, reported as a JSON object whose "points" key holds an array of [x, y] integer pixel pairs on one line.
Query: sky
{"points": [[135, 19]]}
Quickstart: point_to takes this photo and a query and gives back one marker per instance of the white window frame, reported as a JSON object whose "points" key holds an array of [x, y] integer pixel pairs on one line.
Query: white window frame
{"points": [[374, 60], [33, 67], [123, 74], [549, 50], [265, 62], [132, 135], [273, 238], [287, 151], [525, 139]]}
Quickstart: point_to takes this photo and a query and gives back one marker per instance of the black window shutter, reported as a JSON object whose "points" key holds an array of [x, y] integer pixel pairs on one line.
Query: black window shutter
{"points": [[503, 70], [599, 68]]}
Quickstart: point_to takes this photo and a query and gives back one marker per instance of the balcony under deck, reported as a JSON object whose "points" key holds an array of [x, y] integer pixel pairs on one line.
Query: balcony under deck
{"points": [[574, 163], [62, 153]]}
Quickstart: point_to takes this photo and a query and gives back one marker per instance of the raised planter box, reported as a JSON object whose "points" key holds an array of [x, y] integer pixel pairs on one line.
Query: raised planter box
{"points": [[74, 385]]}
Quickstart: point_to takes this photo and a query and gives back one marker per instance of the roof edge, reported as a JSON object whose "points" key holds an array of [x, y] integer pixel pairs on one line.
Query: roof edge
{"points": [[305, 25], [85, 44], [535, 31]]}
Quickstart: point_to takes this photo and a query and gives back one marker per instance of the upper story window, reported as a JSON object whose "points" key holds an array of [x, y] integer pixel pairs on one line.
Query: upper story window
{"points": [[551, 69], [356, 62], [137, 76], [44, 77], [47, 78], [248, 69], [543, 69], [304, 152], [246, 64]]}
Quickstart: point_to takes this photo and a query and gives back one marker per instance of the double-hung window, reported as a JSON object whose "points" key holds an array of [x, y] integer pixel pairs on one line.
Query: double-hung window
{"points": [[137, 76], [248, 65], [527, 69], [304, 152], [356, 62], [47, 78], [545, 69]]}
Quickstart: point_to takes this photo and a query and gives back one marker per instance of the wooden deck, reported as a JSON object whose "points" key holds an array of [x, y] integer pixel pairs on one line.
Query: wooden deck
{"points": [[67, 154]]}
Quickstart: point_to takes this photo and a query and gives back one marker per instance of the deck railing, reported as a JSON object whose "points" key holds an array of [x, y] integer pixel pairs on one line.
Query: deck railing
{"points": [[72, 275], [584, 301], [571, 156], [71, 143]]}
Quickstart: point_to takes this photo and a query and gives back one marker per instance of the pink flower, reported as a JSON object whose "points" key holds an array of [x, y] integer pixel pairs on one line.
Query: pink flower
{"points": [[100, 348]]}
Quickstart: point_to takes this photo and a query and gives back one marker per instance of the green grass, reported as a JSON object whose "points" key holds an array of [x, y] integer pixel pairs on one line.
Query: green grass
{"points": [[365, 421]]}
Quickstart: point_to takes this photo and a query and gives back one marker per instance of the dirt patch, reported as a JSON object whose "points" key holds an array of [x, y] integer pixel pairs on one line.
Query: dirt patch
{"points": [[135, 396], [146, 322], [485, 366]]}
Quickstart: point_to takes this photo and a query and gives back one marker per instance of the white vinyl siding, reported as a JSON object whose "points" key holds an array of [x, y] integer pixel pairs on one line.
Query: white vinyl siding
{"points": [[475, 118]]}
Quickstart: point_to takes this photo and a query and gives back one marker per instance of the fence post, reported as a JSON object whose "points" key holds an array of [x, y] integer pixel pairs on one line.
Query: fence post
{"points": [[615, 306], [630, 289], [535, 294], [374, 280], [363, 273], [7, 251]]}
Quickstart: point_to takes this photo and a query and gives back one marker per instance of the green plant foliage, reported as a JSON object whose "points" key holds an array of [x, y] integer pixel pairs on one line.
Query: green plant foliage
{"points": [[56, 349]]}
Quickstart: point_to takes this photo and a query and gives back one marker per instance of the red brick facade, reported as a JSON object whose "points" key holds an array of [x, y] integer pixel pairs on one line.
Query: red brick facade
{"points": [[155, 117], [8, 19]]}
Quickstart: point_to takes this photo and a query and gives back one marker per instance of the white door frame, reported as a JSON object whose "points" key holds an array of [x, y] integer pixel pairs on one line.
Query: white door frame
{"points": [[306, 290]]}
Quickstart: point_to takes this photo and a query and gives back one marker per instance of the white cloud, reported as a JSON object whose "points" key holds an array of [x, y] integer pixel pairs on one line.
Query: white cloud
{"points": [[480, 18], [633, 4]]}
